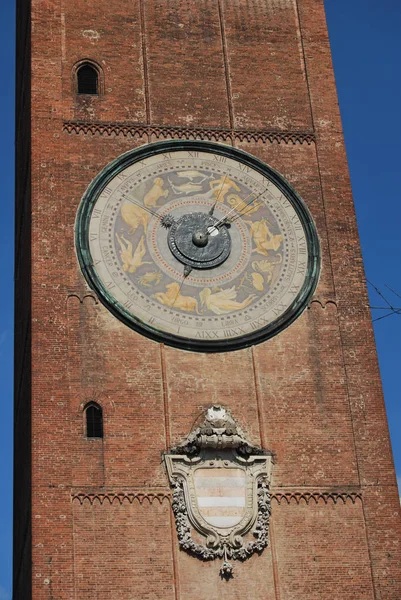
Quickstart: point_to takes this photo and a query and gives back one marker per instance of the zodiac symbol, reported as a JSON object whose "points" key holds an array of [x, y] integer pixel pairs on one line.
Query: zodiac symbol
{"points": [[149, 279], [131, 262], [223, 301], [193, 175], [267, 266], [134, 216], [185, 188], [155, 193], [257, 281], [243, 207], [262, 236], [172, 297], [222, 186]]}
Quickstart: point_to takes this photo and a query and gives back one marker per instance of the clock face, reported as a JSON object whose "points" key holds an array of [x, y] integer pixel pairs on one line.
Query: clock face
{"points": [[197, 245]]}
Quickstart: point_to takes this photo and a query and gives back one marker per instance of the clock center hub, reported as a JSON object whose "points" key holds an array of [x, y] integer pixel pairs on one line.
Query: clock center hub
{"points": [[200, 238], [196, 241]]}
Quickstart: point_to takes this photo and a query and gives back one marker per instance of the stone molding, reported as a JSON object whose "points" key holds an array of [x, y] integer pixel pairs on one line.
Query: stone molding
{"points": [[82, 297], [323, 303], [161, 132], [288, 497], [316, 497], [122, 497]]}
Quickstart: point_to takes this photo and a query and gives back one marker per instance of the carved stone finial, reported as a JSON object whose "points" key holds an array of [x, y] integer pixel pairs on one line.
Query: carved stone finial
{"points": [[226, 570], [217, 416], [218, 430]]}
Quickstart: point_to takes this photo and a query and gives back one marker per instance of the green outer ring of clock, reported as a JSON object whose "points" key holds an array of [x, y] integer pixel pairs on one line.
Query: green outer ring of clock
{"points": [[85, 260]]}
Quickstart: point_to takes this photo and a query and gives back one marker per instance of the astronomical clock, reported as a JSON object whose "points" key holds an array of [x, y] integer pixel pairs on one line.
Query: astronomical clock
{"points": [[197, 245]]}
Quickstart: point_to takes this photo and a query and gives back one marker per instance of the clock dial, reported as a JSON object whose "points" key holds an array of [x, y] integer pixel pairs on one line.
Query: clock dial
{"points": [[197, 245]]}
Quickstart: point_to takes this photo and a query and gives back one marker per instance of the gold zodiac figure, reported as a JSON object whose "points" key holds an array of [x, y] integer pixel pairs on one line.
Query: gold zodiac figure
{"points": [[131, 262], [257, 281], [185, 188], [262, 236], [222, 186], [267, 267], [243, 207], [223, 301], [172, 297], [192, 175], [149, 279], [155, 193], [134, 216]]}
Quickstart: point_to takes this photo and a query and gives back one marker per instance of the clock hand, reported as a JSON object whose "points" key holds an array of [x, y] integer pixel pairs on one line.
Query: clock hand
{"points": [[241, 214], [166, 220], [235, 207], [187, 270], [145, 208], [228, 219], [214, 229], [245, 212], [217, 199]]}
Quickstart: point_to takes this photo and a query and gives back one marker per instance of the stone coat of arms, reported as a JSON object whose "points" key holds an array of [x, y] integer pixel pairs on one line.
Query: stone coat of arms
{"points": [[221, 497]]}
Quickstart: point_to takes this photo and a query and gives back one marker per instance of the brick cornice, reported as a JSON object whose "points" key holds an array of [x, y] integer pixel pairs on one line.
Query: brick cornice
{"points": [[283, 497], [157, 132]]}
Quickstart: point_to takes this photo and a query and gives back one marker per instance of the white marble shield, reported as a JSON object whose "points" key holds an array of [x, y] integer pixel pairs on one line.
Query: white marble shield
{"points": [[221, 495]]}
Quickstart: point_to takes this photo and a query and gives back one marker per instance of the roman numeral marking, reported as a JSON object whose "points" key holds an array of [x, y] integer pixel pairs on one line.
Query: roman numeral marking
{"points": [[233, 332], [285, 202], [302, 247], [301, 267], [207, 334], [279, 309], [297, 224], [258, 323], [128, 304]]}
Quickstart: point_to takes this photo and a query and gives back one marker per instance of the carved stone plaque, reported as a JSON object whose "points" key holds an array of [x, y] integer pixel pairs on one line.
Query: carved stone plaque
{"points": [[221, 497]]}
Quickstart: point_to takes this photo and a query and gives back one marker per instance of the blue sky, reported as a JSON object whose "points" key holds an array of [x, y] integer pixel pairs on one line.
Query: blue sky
{"points": [[366, 45]]}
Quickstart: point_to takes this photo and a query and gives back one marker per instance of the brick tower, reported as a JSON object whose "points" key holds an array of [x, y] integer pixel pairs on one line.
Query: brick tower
{"points": [[93, 503]]}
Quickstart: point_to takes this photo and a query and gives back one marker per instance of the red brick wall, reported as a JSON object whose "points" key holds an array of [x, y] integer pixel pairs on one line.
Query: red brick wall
{"points": [[312, 394]]}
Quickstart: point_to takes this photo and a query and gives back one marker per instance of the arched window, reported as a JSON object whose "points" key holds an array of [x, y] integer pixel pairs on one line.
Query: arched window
{"points": [[87, 79], [94, 420]]}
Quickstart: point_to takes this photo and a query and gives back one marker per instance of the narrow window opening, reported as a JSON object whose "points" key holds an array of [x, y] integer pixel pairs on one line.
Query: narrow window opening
{"points": [[94, 421], [88, 80]]}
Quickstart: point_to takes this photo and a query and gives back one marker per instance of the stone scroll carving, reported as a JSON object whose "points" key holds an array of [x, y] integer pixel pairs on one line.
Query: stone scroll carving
{"points": [[221, 498]]}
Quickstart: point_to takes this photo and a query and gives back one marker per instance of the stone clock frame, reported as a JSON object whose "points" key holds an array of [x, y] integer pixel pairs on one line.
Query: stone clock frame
{"points": [[117, 309]]}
